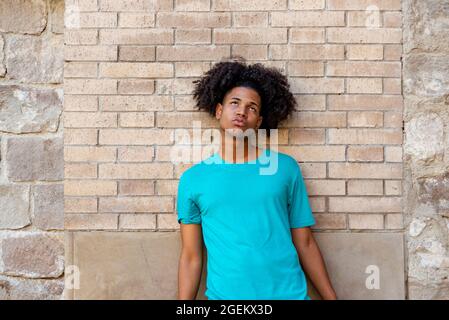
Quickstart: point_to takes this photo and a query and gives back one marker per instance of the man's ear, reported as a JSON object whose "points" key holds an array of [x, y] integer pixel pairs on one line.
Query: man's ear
{"points": [[218, 111], [259, 122]]}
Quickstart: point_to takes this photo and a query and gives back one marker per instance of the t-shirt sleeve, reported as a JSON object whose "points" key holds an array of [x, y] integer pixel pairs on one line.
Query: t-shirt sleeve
{"points": [[299, 211], [188, 211]]}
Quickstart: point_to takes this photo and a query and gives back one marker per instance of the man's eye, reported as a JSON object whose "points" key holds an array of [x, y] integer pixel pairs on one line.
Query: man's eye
{"points": [[232, 102], [254, 109]]}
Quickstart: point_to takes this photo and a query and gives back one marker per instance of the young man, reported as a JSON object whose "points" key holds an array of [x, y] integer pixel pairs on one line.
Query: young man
{"points": [[255, 227]]}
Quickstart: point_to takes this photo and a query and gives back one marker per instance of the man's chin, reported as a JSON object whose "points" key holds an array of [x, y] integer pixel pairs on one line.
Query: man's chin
{"points": [[239, 131]]}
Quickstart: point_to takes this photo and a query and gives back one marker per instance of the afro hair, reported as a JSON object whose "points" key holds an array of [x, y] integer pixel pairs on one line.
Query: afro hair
{"points": [[277, 102]]}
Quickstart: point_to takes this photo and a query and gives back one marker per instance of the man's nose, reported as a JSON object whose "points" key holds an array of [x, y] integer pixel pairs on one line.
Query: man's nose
{"points": [[241, 111]]}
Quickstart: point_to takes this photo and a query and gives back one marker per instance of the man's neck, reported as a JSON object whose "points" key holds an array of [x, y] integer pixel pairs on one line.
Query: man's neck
{"points": [[231, 149]]}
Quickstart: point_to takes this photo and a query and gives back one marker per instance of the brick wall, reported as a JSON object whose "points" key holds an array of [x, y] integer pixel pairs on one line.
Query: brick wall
{"points": [[129, 67]]}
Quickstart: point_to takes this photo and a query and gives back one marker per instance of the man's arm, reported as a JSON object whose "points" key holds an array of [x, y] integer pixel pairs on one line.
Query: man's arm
{"points": [[190, 261], [312, 261]]}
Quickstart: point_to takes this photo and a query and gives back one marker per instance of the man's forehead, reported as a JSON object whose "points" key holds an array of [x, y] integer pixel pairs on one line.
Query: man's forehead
{"points": [[243, 95]]}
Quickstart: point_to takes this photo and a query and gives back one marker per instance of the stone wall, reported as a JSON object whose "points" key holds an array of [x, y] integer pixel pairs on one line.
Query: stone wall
{"points": [[122, 71], [426, 94], [31, 149], [127, 88]]}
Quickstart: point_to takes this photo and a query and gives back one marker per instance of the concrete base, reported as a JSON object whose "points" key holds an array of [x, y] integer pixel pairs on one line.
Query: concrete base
{"points": [[144, 265]]}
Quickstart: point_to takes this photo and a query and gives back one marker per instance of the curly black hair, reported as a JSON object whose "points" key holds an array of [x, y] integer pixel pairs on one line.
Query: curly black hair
{"points": [[277, 102]]}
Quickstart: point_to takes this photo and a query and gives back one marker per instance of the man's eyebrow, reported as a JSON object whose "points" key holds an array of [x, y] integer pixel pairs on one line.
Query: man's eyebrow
{"points": [[252, 102]]}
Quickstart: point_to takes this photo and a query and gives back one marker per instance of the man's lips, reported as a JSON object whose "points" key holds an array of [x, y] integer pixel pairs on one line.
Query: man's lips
{"points": [[239, 123]]}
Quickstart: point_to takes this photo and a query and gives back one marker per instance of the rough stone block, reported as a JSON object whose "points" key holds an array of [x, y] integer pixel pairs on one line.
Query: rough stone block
{"points": [[27, 110], [31, 255], [33, 59], [34, 158], [14, 201], [23, 16], [13, 288], [49, 206]]}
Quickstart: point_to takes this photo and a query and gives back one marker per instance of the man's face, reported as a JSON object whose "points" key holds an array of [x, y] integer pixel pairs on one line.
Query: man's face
{"points": [[240, 109]]}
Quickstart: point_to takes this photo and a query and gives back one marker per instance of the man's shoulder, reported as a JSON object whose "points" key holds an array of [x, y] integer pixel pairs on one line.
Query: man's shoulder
{"points": [[284, 158], [196, 168]]}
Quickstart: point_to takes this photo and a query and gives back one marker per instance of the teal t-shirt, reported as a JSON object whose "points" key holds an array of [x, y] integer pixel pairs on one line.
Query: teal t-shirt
{"points": [[246, 214]]}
